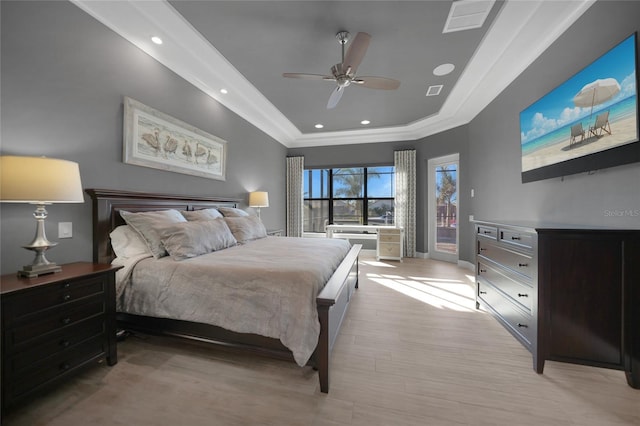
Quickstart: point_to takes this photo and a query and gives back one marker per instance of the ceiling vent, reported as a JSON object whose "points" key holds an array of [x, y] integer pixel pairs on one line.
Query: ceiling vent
{"points": [[467, 14], [434, 90]]}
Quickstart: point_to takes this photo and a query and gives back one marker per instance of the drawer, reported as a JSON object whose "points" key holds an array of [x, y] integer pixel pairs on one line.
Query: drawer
{"points": [[53, 367], [520, 239], [391, 250], [56, 319], [487, 231], [51, 296], [516, 321], [518, 291], [518, 262], [389, 238], [62, 340]]}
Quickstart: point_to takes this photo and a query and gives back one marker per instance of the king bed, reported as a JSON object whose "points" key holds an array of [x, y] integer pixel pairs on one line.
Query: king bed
{"points": [[282, 297]]}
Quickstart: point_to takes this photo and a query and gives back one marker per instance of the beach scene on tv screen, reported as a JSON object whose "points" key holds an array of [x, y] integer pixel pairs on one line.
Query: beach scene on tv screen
{"points": [[595, 110]]}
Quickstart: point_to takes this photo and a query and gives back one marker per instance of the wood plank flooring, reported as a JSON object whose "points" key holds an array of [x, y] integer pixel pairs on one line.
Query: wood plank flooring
{"points": [[413, 351]]}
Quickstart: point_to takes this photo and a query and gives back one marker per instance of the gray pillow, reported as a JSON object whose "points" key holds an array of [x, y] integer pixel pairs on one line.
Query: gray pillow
{"points": [[191, 239], [246, 228], [232, 212], [147, 225], [204, 214]]}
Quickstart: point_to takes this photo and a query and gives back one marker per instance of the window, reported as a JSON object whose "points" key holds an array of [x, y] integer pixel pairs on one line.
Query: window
{"points": [[355, 195]]}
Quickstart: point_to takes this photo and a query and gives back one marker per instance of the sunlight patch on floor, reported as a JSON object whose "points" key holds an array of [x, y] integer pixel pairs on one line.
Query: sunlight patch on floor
{"points": [[453, 294], [377, 263]]}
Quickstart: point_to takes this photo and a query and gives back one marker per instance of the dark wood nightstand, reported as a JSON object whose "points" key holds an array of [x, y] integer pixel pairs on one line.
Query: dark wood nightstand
{"points": [[54, 325]]}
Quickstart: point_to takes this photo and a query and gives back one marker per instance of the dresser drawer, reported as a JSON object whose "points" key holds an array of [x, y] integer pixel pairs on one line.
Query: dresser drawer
{"points": [[516, 321], [516, 261], [519, 292], [54, 295], [56, 319], [520, 239], [391, 250], [487, 231], [389, 238], [54, 343], [55, 366]]}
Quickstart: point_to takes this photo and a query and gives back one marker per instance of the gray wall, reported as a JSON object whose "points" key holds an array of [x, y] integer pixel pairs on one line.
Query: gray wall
{"points": [[585, 199], [64, 76]]}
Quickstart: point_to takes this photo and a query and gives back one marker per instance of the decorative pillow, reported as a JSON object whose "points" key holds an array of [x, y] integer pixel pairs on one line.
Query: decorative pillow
{"points": [[147, 225], [204, 214], [232, 212], [191, 239], [126, 242], [246, 228]]}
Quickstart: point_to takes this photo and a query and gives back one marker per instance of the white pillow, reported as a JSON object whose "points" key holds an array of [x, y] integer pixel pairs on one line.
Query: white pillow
{"points": [[126, 242], [232, 212], [203, 214], [147, 224], [191, 239], [246, 228]]}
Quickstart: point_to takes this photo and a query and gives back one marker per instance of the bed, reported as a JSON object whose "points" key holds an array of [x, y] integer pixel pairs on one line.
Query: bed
{"points": [[331, 298]]}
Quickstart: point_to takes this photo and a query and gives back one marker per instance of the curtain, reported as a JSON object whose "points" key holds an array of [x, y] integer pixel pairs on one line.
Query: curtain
{"points": [[295, 191], [405, 208]]}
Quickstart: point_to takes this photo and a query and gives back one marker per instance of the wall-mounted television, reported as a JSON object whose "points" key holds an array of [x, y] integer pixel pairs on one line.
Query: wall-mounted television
{"points": [[589, 122]]}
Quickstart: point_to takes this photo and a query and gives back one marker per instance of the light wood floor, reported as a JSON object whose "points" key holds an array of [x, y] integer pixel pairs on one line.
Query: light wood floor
{"points": [[413, 351]]}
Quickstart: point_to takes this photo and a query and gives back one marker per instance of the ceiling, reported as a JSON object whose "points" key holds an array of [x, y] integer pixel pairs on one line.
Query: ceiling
{"points": [[245, 46]]}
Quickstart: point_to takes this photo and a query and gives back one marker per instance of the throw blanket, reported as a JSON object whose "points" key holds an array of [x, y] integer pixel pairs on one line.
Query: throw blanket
{"points": [[266, 287]]}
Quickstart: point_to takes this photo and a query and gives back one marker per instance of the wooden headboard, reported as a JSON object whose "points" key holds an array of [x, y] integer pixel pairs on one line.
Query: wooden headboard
{"points": [[107, 204]]}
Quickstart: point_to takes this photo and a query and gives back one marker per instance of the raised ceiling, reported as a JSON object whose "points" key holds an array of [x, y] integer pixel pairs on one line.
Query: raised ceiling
{"points": [[245, 46]]}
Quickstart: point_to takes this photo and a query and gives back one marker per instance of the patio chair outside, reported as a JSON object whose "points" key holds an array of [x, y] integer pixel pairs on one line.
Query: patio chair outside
{"points": [[601, 125], [576, 131]]}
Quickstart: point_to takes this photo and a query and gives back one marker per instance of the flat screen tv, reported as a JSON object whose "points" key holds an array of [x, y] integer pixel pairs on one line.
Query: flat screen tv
{"points": [[589, 122]]}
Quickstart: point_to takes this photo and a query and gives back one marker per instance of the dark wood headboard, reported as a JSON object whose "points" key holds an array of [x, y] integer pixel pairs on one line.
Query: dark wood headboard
{"points": [[107, 204]]}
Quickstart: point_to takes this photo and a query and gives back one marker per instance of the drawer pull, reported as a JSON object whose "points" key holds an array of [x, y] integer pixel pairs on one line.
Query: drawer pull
{"points": [[486, 232], [483, 292], [65, 320], [515, 238], [64, 366], [64, 343], [523, 265], [483, 249], [66, 285], [523, 295], [66, 297], [483, 270], [523, 325]]}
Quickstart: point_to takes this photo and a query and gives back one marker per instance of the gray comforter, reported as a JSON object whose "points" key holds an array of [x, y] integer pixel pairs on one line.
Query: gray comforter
{"points": [[266, 287]]}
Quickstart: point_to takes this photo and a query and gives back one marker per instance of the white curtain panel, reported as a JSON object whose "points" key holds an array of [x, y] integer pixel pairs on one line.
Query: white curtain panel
{"points": [[405, 209], [295, 194]]}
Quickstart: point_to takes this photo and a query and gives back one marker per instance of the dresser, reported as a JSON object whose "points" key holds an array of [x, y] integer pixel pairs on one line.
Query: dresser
{"points": [[389, 244], [569, 295], [54, 325]]}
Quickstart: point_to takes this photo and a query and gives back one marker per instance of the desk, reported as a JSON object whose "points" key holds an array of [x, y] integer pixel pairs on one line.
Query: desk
{"points": [[389, 239]]}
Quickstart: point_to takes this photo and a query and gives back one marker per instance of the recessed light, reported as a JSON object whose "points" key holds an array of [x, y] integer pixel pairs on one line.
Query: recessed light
{"points": [[224, 91], [319, 126], [365, 122], [156, 40], [443, 69]]}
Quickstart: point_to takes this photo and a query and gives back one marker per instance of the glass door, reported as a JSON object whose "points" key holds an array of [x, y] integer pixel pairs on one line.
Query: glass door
{"points": [[443, 208]]}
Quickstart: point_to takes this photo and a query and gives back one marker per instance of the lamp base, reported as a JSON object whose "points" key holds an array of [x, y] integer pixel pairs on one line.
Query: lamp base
{"points": [[32, 271]]}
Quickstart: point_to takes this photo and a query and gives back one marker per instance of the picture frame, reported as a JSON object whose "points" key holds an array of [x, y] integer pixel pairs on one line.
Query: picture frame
{"points": [[157, 140]]}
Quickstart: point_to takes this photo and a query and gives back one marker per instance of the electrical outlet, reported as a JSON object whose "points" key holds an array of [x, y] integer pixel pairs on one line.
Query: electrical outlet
{"points": [[470, 218], [65, 230], [473, 193]]}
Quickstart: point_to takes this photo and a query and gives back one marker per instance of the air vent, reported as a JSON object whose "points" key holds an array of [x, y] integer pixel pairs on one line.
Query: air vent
{"points": [[467, 14], [434, 90]]}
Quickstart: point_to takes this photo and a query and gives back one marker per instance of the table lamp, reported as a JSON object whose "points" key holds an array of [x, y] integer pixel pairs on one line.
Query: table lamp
{"points": [[39, 181], [259, 199]]}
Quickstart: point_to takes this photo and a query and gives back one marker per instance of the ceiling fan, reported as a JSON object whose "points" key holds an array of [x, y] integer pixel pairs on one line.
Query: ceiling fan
{"points": [[344, 72]]}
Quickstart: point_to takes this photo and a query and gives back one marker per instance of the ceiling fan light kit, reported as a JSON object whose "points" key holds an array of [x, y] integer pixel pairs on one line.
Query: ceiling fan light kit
{"points": [[344, 73]]}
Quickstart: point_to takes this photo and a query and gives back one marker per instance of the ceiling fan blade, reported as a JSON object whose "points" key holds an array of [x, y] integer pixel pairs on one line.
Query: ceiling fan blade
{"points": [[357, 48], [335, 97], [383, 83], [308, 76]]}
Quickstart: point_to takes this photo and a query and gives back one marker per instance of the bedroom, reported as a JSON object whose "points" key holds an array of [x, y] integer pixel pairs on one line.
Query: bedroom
{"points": [[63, 98]]}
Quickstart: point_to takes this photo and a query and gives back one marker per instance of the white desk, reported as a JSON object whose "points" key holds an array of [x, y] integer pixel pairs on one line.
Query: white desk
{"points": [[389, 239]]}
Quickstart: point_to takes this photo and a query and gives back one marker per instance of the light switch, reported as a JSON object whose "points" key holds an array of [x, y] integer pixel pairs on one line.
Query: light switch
{"points": [[65, 230]]}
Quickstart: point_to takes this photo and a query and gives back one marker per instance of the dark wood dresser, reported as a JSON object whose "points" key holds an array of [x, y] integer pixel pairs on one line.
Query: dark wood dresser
{"points": [[570, 295], [54, 325]]}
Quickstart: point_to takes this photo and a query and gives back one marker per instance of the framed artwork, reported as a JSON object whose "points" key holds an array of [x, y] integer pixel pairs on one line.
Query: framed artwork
{"points": [[157, 140]]}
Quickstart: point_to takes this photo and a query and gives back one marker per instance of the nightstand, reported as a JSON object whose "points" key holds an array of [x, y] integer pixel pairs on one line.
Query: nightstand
{"points": [[275, 232], [54, 325], [390, 243]]}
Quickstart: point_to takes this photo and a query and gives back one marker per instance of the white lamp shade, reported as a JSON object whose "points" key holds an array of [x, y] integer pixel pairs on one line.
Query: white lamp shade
{"points": [[259, 199], [39, 180]]}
